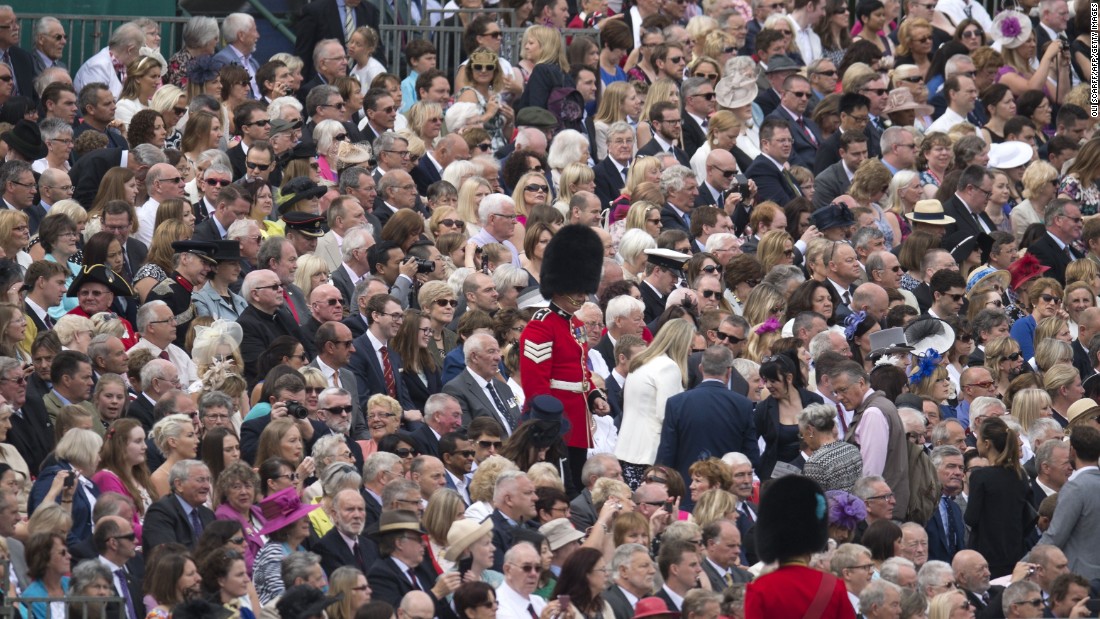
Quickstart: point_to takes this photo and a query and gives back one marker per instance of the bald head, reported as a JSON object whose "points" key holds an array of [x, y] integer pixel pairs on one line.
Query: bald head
{"points": [[163, 182], [452, 147], [326, 303], [531, 138], [871, 298], [417, 604], [719, 163]]}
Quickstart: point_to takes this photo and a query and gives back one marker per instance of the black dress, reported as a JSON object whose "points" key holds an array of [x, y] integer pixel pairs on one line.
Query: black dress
{"points": [[1000, 516], [780, 441]]}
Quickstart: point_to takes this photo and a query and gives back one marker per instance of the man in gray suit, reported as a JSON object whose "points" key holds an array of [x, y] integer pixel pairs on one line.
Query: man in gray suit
{"points": [[239, 30], [633, 573], [1071, 529], [477, 390], [334, 348], [49, 44], [836, 179], [343, 214], [278, 254], [722, 549]]}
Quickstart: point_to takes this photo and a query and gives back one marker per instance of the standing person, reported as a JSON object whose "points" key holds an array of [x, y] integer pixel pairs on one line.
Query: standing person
{"points": [[997, 509], [777, 415], [553, 344]]}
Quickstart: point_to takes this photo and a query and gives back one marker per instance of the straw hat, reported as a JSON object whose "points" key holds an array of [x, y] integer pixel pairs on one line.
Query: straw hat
{"points": [[462, 534], [901, 99], [1082, 411], [929, 212]]}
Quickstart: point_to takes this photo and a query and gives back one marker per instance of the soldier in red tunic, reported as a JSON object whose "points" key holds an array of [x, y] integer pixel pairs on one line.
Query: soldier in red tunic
{"points": [[553, 347]]}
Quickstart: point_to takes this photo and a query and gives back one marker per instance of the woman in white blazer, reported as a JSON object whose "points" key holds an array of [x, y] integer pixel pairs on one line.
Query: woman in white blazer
{"points": [[656, 374]]}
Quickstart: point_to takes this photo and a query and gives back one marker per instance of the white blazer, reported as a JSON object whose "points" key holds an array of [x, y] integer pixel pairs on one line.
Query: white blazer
{"points": [[644, 396]]}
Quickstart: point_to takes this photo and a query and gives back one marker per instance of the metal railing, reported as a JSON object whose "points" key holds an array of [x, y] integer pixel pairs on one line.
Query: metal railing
{"points": [[89, 34], [76, 606]]}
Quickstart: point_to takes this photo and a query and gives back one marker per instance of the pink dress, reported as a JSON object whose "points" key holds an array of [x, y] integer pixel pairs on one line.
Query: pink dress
{"points": [[107, 481]]}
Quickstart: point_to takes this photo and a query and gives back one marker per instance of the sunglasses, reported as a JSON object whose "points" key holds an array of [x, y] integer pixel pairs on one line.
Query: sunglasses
{"points": [[727, 337], [263, 167], [916, 79], [453, 223], [495, 35], [1048, 298], [446, 302], [830, 73], [537, 188], [340, 137], [484, 147], [405, 452], [179, 111], [217, 182], [484, 68], [1013, 357], [709, 96], [878, 91], [711, 268], [258, 123], [800, 95], [710, 294], [488, 444], [339, 410], [709, 76]]}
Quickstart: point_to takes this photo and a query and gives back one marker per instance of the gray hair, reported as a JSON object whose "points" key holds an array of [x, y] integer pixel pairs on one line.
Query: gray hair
{"points": [[324, 449], [396, 488], [54, 128], [234, 24], [199, 31], [323, 397], [1038, 428], [215, 399], [271, 249], [620, 128], [987, 320], [718, 238], [951, 67], [1056, 208], [634, 242], [169, 427], [568, 146], [945, 451], [716, 361], [865, 235], [339, 475], [510, 556], [53, 74], [890, 568], [692, 85], [736, 458], [874, 594], [42, 25], [354, 239], [508, 275], [218, 167], [1044, 453], [912, 417], [891, 138], [932, 573], [1015, 593], [622, 305], [623, 555], [318, 96], [505, 484], [126, 36], [13, 170], [275, 108], [87, 572], [492, 204], [147, 312], [863, 486], [820, 344], [673, 178], [595, 466], [152, 371], [476, 343], [377, 463], [436, 402], [181, 471], [980, 407], [242, 228], [820, 417], [149, 155], [8, 364], [781, 275], [696, 600], [298, 566]]}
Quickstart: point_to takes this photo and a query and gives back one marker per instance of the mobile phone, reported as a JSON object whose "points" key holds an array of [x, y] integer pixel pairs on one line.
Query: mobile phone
{"points": [[670, 505], [70, 479], [1093, 605], [563, 605], [464, 566]]}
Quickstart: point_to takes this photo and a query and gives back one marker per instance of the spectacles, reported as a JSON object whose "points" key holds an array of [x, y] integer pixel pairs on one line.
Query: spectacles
{"points": [[61, 187], [867, 566], [484, 68], [168, 320], [1075, 220], [709, 76], [129, 537], [530, 568], [20, 380], [290, 476], [339, 410], [881, 497], [537, 188], [728, 337], [800, 95], [982, 385], [271, 287], [488, 444], [382, 416], [427, 331], [1047, 298], [709, 96], [402, 153], [217, 182], [26, 185], [395, 316]]}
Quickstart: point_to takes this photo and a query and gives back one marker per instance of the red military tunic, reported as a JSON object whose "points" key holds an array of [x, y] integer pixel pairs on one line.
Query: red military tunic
{"points": [[554, 361]]}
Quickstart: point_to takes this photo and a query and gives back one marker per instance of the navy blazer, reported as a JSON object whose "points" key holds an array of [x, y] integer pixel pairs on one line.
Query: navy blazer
{"points": [[419, 391], [770, 182], [653, 147], [342, 281], [22, 64], [804, 151], [609, 181], [671, 220], [336, 553], [692, 135], [425, 440], [81, 510], [706, 422], [767, 100], [321, 20], [424, 174], [390, 584], [368, 373], [1046, 250], [938, 548], [166, 522]]}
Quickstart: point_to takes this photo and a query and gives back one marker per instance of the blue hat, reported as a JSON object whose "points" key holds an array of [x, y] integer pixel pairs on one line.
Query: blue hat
{"points": [[835, 215], [548, 412]]}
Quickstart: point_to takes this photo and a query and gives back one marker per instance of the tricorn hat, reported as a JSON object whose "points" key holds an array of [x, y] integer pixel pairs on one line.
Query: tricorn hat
{"points": [[100, 274], [572, 262], [793, 519]]}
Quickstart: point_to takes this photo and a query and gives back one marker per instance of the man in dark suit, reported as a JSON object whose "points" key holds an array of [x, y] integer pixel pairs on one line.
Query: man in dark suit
{"points": [[967, 206], [345, 543], [707, 421], [722, 550], [683, 189], [376, 367], [325, 19], [334, 346], [262, 321], [380, 111], [32, 431], [853, 119], [442, 415], [665, 124], [513, 507], [792, 109], [181, 516], [773, 181], [632, 575], [1054, 17], [680, 569], [399, 539], [326, 103], [1056, 248], [89, 170], [663, 270], [946, 529], [253, 125], [19, 60], [835, 180], [116, 547], [476, 389], [50, 191], [611, 172], [972, 576], [731, 334], [697, 94]]}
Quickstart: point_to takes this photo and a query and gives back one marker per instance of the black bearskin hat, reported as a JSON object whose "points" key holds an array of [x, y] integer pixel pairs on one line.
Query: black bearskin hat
{"points": [[793, 519], [572, 263]]}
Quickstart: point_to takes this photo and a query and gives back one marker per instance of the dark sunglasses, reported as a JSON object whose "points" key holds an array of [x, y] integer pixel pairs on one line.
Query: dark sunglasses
{"points": [[488, 444], [709, 76], [405, 452], [916, 79], [712, 268], [217, 182], [179, 111], [709, 96], [710, 294], [537, 188], [1013, 357], [258, 123], [128, 537], [800, 95], [453, 223], [252, 165], [484, 147], [830, 73], [446, 302], [340, 137], [236, 540], [726, 337], [484, 68], [339, 410], [1048, 298], [878, 91]]}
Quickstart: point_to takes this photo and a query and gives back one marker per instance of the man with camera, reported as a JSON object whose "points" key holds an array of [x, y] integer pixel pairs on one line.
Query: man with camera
{"points": [[289, 393]]}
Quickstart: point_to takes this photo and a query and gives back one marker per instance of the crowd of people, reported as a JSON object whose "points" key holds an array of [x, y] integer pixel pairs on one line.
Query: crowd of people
{"points": [[727, 309]]}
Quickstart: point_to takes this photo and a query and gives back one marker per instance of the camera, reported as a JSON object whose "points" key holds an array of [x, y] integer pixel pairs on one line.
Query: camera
{"points": [[740, 185], [296, 409], [425, 266]]}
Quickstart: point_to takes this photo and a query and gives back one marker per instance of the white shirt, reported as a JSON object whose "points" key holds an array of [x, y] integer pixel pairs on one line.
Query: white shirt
{"points": [[948, 119], [461, 484], [377, 344], [188, 373], [327, 372], [956, 11], [809, 43], [40, 312], [677, 599], [514, 605], [120, 586], [665, 146], [484, 384], [147, 218]]}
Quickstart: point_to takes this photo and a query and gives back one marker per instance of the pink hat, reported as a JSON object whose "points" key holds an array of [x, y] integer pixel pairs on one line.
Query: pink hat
{"points": [[282, 509], [653, 607]]}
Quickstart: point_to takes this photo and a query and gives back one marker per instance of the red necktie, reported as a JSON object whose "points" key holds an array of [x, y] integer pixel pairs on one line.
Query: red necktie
{"points": [[412, 577], [843, 422], [387, 373], [164, 355], [290, 304], [809, 134]]}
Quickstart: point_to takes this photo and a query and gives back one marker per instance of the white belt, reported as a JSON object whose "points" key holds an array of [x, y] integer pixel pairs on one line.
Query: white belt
{"points": [[567, 386]]}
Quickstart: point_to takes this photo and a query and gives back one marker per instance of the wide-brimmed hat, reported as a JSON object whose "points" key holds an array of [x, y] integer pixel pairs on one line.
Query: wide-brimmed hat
{"points": [[1025, 269], [1010, 29], [987, 273], [397, 521], [653, 607], [777, 64], [929, 212], [1008, 155], [462, 534], [928, 333], [734, 91], [100, 274], [559, 532], [26, 139], [835, 215], [298, 189], [349, 154], [1082, 411], [961, 245], [283, 509], [901, 99]]}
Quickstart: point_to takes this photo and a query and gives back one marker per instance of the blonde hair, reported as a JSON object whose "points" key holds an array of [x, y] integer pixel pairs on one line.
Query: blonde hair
{"points": [[1027, 403], [639, 211], [1037, 174], [772, 245], [664, 89], [713, 505], [611, 102], [673, 340], [605, 488], [308, 266], [80, 448], [485, 477], [169, 428], [722, 120], [49, 518], [574, 173], [713, 45], [545, 475], [517, 193], [639, 169], [924, 386], [550, 46], [467, 210], [871, 176]]}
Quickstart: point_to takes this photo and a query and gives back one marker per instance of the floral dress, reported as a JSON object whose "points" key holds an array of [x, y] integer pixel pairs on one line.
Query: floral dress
{"points": [[495, 125], [1087, 197], [177, 68]]}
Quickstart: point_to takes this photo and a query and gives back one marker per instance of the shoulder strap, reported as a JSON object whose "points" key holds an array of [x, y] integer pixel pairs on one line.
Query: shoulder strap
{"points": [[824, 593]]}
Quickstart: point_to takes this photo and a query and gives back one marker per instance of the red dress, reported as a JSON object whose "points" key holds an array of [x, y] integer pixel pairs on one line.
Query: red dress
{"points": [[553, 361], [788, 592]]}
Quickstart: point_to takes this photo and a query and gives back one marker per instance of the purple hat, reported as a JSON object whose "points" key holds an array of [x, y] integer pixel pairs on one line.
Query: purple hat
{"points": [[282, 509]]}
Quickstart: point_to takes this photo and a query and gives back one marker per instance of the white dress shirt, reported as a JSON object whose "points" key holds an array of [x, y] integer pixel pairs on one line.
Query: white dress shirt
{"points": [[514, 605], [187, 371]]}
